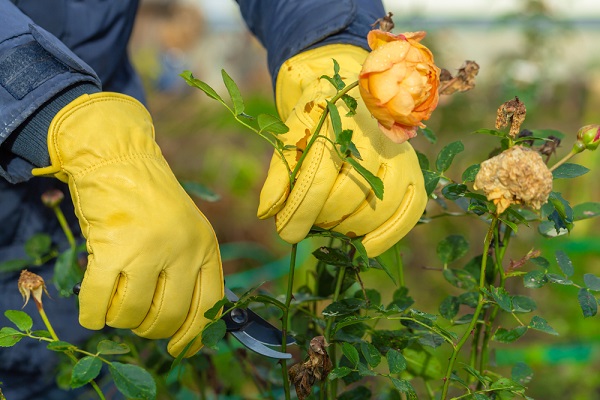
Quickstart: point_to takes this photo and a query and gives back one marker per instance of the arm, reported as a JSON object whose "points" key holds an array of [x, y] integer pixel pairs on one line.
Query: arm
{"points": [[38, 76]]}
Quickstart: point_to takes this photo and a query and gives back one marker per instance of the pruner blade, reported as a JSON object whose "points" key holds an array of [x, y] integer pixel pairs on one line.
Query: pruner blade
{"points": [[253, 331]]}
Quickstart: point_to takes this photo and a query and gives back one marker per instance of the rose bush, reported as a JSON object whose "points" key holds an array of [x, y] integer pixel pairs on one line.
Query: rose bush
{"points": [[399, 83]]}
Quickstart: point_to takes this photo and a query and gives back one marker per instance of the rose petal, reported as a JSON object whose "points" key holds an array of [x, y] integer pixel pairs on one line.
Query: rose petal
{"points": [[384, 57], [377, 37], [399, 133]]}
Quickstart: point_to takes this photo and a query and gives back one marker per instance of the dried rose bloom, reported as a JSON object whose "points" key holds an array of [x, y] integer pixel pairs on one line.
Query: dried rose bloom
{"points": [[511, 113], [31, 284], [516, 176], [316, 369]]}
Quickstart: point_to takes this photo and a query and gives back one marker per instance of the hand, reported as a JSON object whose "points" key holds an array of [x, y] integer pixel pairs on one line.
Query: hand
{"points": [[154, 264], [329, 193]]}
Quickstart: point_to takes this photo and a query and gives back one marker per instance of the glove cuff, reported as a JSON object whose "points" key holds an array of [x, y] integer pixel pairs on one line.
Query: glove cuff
{"points": [[97, 129], [307, 67]]}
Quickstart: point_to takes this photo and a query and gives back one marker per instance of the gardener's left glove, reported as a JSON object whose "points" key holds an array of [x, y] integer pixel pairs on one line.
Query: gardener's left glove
{"points": [[328, 192], [154, 264]]}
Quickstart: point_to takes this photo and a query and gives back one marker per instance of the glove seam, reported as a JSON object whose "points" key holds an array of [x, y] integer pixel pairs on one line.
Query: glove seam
{"points": [[116, 160]]}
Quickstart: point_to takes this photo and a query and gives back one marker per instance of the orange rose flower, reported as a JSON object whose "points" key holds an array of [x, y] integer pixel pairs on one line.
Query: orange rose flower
{"points": [[399, 83]]}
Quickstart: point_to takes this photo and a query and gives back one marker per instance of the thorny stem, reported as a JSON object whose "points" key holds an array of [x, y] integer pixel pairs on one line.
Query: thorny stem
{"points": [[336, 295], [480, 302], [400, 264], [317, 129], [284, 320]]}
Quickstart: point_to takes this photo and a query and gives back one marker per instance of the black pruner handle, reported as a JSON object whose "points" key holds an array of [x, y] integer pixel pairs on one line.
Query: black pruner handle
{"points": [[76, 289]]}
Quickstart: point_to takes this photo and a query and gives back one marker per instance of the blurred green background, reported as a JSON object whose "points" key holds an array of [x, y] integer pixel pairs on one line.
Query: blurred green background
{"points": [[544, 52]]}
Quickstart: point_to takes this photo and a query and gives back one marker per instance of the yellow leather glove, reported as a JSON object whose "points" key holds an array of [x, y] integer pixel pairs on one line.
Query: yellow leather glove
{"points": [[328, 193], [154, 264]]}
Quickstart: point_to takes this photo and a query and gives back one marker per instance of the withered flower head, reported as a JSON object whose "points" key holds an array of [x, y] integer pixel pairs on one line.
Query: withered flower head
{"points": [[386, 23], [52, 198], [511, 113], [462, 82], [304, 375], [516, 176], [32, 284]]}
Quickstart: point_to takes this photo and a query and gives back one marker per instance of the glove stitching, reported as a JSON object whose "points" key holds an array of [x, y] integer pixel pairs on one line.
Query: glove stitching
{"points": [[117, 160], [391, 223], [162, 275]]}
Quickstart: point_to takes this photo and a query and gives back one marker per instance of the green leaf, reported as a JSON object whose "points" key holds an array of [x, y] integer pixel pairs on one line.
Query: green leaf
{"points": [[42, 334], [540, 262], [20, 318], [215, 310], [13, 265], [333, 256], [592, 282], [588, 303], [422, 363], [431, 181], [370, 353], [133, 381], [360, 249], [343, 307], [540, 324], [490, 132], [447, 154], [234, 93], [568, 170], [67, 272], [109, 347], [470, 173], [460, 278], [484, 380], [351, 353], [429, 135], [351, 103], [9, 337], [364, 370], [336, 121], [452, 248], [586, 210], [269, 123], [405, 387], [213, 333], [562, 216], [38, 245], [564, 262], [338, 372], [558, 279], [396, 361], [85, 370], [502, 298], [454, 191], [60, 346], [347, 147], [197, 83], [449, 307], [522, 304], [423, 160], [201, 191], [508, 336], [521, 373], [375, 182]]}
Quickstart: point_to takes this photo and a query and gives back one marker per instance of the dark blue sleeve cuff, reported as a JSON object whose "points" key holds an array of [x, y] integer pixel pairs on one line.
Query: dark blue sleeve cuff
{"points": [[286, 28]]}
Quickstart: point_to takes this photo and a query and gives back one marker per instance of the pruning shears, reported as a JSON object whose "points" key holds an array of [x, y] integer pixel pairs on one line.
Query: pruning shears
{"points": [[248, 328], [253, 331]]}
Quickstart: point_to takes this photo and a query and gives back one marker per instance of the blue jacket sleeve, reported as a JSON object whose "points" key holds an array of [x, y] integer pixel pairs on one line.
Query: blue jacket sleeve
{"points": [[38, 75], [288, 27]]}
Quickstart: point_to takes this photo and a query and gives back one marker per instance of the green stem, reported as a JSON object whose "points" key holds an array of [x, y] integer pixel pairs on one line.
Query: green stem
{"points": [[55, 337], [332, 353], [480, 302], [284, 321], [400, 264], [563, 160], [317, 129], [64, 225]]}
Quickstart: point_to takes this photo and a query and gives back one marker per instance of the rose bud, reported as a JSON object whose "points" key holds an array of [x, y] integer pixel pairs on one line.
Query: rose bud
{"points": [[588, 138], [32, 285], [52, 198], [399, 83]]}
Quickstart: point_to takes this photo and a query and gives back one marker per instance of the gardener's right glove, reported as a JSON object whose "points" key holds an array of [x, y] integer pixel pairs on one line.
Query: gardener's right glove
{"points": [[154, 264], [329, 193]]}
